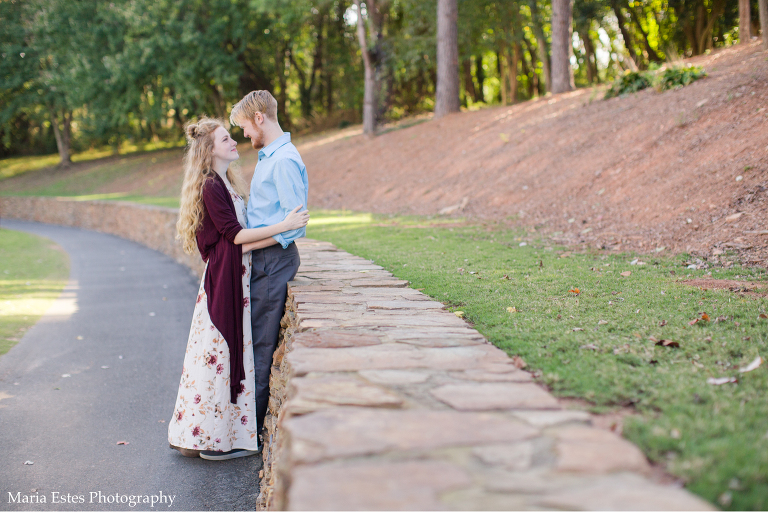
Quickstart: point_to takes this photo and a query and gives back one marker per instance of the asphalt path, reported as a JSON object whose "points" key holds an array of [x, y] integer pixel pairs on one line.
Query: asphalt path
{"points": [[101, 367]]}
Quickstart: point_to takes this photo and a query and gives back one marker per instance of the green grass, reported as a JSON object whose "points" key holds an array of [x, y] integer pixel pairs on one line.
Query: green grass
{"points": [[713, 437], [15, 166], [33, 271]]}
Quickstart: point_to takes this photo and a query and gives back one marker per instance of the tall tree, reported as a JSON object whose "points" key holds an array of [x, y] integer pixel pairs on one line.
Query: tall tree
{"points": [[763, 6], [447, 93], [745, 21], [561, 45], [370, 62], [541, 43]]}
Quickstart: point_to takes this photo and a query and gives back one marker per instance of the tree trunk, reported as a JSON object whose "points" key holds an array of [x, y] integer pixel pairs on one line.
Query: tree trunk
{"points": [[589, 57], [764, 22], [561, 45], [652, 55], [371, 90], [62, 135], [480, 75], [447, 90], [628, 44], [503, 72], [513, 61], [282, 99], [745, 35], [541, 46], [469, 84]]}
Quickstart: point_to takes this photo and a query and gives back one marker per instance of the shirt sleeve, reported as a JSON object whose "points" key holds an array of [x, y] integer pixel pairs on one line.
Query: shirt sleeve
{"points": [[290, 194], [218, 208]]}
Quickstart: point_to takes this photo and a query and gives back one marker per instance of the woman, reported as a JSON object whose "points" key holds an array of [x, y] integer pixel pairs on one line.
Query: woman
{"points": [[215, 414]]}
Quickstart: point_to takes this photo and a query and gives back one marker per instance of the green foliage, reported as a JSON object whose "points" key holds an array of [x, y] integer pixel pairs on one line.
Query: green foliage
{"points": [[679, 76], [672, 77], [707, 435], [33, 271], [629, 82]]}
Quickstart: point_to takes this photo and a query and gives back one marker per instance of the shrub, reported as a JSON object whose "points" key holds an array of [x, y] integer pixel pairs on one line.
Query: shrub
{"points": [[677, 77], [629, 82], [663, 80]]}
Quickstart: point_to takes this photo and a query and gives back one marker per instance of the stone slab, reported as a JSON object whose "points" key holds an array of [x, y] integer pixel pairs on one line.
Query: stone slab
{"points": [[396, 377], [380, 283], [582, 449], [391, 357], [495, 396], [403, 304], [624, 491], [310, 394], [344, 432], [335, 339], [368, 485]]}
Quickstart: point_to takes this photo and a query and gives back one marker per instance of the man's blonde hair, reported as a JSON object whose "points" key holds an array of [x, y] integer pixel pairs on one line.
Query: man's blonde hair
{"points": [[254, 101]]}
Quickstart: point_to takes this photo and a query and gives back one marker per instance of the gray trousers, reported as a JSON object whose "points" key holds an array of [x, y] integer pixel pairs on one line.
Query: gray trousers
{"points": [[272, 268]]}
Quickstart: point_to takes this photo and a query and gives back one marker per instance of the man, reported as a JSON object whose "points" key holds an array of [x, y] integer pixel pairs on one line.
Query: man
{"points": [[278, 186]]}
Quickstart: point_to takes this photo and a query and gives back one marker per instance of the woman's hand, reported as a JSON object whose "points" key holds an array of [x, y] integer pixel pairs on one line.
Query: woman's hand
{"points": [[296, 219]]}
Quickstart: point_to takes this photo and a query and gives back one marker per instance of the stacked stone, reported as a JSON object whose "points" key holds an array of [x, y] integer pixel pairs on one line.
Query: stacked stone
{"points": [[382, 399], [151, 226]]}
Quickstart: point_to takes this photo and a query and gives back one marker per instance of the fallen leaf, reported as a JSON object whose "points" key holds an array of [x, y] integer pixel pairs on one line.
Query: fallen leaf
{"points": [[512, 309], [575, 290], [602, 322], [720, 381], [668, 343], [28, 463], [626, 273], [752, 366], [505, 276], [762, 315], [721, 319], [577, 329], [518, 362], [565, 254], [459, 314], [123, 442], [734, 217], [694, 321], [662, 323], [705, 317], [589, 346], [472, 272]]}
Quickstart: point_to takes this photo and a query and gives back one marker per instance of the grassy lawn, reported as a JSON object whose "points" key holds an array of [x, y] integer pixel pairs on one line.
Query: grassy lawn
{"points": [[10, 167], [598, 344], [33, 271]]}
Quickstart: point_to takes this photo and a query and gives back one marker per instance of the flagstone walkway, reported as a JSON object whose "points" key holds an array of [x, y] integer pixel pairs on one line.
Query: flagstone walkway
{"points": [[382, 399]]}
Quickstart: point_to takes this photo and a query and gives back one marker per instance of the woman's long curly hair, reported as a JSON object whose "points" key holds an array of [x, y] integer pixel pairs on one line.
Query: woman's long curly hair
{"points": [[198, 169]]}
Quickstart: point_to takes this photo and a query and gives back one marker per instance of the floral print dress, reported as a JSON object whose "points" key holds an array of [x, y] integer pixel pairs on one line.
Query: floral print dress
{"points": [[204, 418]]}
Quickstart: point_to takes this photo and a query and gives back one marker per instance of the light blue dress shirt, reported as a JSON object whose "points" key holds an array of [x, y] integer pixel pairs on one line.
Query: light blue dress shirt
{"points": [[278, 186]]}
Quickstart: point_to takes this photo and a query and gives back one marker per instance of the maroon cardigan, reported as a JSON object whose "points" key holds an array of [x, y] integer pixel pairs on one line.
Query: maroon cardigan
{"points": [[223, 279]]}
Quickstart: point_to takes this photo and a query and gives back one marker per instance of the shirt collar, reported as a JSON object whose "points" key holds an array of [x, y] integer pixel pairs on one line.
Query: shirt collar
{"points": [[277, 143]]}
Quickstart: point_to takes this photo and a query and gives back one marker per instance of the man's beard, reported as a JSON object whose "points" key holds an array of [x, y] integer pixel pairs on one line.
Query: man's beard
{"points": [[257, 141]]}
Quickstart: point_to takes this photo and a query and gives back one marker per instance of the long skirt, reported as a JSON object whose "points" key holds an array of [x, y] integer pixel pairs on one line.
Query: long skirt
{"points": [[204, 418]]}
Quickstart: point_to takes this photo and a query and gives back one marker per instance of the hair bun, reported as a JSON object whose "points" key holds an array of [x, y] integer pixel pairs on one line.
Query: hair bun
{"points": [[192, 131]]}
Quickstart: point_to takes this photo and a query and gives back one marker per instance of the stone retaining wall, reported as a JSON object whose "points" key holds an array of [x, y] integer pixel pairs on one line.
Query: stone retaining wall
{"points": [[151, 226], [382, 399]]}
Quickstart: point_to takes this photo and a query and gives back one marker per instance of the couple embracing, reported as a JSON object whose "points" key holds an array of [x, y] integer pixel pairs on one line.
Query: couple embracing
{"points": [[246, 238]]}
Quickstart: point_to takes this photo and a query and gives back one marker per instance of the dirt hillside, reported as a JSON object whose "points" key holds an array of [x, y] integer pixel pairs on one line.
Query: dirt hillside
{"points": [[686, 169]]}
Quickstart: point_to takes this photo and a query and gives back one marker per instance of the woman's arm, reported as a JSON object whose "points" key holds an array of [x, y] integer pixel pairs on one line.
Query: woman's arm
{"points": [[251, 246], [294, 220]]}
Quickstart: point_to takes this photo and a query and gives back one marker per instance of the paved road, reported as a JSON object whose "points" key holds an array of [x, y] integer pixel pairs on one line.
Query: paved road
{"points": [[119, 331]]}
